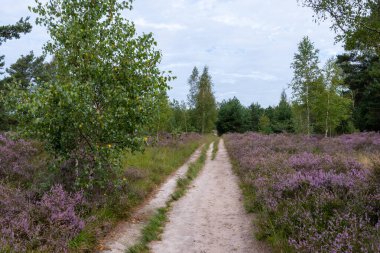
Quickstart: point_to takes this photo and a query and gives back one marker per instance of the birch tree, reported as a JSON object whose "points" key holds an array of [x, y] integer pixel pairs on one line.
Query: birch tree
{"points": [[306, 77], [332, 104], [205, 107]]}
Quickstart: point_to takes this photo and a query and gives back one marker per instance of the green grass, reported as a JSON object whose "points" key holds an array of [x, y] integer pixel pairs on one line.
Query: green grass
{"points": [[215, 149], [154, 228], [151, 231], [143, 173]]}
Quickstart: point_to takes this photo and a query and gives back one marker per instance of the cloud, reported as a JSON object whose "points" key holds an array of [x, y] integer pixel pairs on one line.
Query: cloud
{"points": [[255, 75], [225, 95], [228, 81], [206, 4], [180, 65], [232, 20], [159, 26]]}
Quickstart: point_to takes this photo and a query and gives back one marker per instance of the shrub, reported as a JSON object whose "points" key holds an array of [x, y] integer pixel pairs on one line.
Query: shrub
{"points": [[41, 225], [15, 159]]}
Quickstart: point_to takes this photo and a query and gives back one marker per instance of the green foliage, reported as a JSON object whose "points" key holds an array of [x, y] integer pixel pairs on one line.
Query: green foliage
{"points": [[105, 91], [307, 78], [194, 88], [362, 75], [356, 22], [255, 112], [282, 120], [8, 32], [265, 124], [162, 115], [179, 121], [202, 101], [321, 101], [26, 73], [232, 117], [331, 105]]}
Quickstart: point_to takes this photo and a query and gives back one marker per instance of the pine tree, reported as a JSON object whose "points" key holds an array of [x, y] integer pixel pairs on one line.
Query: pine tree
{"points": [[255, 112], [283, 116], [8, 32]]}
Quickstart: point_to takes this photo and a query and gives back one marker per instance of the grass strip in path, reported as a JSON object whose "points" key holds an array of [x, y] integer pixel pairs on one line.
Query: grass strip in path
{"points": [[215, 149], [154, 228]]}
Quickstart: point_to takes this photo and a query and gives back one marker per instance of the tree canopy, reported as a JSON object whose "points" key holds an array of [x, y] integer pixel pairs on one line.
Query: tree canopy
{"points": [[233, 117], [8, 32], [201, 101], [356, 22], [106, 88], [306, 77]]}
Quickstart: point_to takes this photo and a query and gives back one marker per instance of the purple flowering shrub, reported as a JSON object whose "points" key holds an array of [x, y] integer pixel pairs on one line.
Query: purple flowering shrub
{"points": [[32, 218], [313, 194], [46, 225], [15, 159]]}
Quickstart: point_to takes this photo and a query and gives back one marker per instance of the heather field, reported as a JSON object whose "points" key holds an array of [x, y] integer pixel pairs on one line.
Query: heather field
{"points": [[311, 194], [42, 209]]}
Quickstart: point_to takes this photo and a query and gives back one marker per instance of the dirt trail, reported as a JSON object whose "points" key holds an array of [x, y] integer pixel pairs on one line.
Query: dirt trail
{"points": [[210, 218], [128, 233]]}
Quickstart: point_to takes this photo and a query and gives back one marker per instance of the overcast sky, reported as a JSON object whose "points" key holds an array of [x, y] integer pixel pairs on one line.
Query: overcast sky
{"points": [[247, 44]]}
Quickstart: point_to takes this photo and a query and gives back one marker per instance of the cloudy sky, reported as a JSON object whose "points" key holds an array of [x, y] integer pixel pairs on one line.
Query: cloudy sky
{"points": [[247, 44]]}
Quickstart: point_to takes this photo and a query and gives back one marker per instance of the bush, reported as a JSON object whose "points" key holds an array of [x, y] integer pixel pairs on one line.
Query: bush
{"points": [[15, 159]]}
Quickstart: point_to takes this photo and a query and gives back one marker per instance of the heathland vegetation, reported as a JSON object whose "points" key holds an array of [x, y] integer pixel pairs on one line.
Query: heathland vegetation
{"points": [[87, 136], [311, 194]]}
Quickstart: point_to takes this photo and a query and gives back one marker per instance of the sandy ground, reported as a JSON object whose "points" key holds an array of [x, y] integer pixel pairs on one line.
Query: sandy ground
{"points": [[128, 233], [210, 218]]}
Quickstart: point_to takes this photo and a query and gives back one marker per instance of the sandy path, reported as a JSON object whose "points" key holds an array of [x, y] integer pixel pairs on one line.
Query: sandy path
{"points": [[210, 218], [128, 233]]}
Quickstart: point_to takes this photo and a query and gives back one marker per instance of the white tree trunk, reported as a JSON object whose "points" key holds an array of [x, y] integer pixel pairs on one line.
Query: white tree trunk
{"points": [[327, 115], [308, 110]]}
